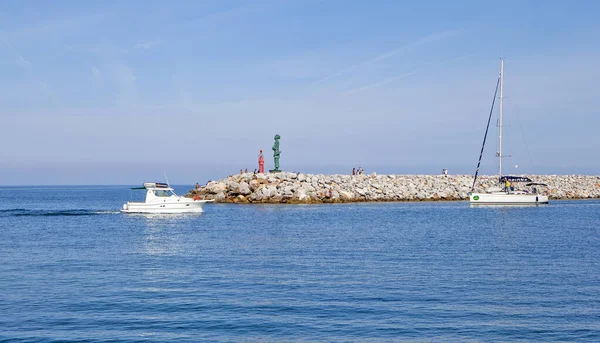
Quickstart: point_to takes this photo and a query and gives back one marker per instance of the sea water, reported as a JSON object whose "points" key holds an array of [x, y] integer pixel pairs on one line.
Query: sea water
{"points": [[72, 268]]}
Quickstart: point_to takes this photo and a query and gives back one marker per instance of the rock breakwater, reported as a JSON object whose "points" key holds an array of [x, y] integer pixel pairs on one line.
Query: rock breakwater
{"points": [[298, 188]]}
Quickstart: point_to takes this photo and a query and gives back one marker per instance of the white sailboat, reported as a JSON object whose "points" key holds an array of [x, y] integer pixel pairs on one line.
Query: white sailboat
{"points": [[506, 194]]}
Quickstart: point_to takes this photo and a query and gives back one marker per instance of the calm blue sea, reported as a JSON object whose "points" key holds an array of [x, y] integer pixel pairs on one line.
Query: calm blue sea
{"points": [[74, 269]]}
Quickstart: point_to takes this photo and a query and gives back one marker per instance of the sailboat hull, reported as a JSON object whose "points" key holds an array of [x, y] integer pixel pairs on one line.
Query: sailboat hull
{"points": [[503, 198]]}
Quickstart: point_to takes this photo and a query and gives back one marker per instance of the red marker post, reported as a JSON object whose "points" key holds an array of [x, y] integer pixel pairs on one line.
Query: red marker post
{"points": [[261, 163]]}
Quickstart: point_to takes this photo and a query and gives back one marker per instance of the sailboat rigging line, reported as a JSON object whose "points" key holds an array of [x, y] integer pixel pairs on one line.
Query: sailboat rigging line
{"points": [[485, 135]]}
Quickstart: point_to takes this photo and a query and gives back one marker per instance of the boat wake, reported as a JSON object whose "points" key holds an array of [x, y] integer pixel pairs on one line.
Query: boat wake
{"points": [[21, 212]]}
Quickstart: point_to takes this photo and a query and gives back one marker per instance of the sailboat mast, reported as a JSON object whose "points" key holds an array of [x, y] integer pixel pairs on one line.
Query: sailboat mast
{"points": [[500, 118]]}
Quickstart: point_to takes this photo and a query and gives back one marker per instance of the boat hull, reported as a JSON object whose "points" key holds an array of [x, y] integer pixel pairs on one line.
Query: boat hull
{"points": [[502, 198], [191, 206]]}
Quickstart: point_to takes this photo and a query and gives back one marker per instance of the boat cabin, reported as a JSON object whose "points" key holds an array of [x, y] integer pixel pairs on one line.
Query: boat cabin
{"points": [[157, 192], [530, 187], [538, 188]]}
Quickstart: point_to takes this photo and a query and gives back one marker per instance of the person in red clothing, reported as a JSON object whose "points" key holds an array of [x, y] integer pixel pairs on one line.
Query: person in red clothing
{"points": [[196, 196]]}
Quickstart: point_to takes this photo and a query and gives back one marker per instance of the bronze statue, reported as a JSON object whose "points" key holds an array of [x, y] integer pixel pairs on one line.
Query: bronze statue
{"points": [[276, 153]]}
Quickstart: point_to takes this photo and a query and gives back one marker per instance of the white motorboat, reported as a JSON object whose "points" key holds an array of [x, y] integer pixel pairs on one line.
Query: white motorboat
{"points": [[161, 198], [506, 194]]}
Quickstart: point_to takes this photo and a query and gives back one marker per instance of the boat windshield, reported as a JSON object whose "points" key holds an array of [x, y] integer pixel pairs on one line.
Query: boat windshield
{"points": [[162, 193]]}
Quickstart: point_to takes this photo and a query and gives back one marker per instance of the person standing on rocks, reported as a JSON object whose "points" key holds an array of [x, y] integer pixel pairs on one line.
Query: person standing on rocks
{"points": [[196, 196], [353, 171]]}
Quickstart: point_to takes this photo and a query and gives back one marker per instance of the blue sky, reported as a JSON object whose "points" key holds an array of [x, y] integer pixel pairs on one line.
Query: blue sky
{"points": [[119, 92]]}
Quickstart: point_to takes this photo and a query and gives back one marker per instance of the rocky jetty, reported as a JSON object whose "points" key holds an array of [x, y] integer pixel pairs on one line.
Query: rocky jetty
{"points": [[298, 188]]}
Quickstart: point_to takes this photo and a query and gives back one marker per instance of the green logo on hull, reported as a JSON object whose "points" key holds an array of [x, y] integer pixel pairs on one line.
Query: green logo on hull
{"points": [[476, 197]]}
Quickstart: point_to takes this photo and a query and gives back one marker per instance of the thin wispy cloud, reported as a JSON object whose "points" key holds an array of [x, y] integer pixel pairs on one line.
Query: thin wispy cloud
{"points": [[184, 98], [216, 17], [396, 52], [101, 50], [58, 25], [19, 59], [305, 67], [145, 45], [380, 83], [410, 73], [27, 66], [23, 63], [98, 77], [126, 85]]}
